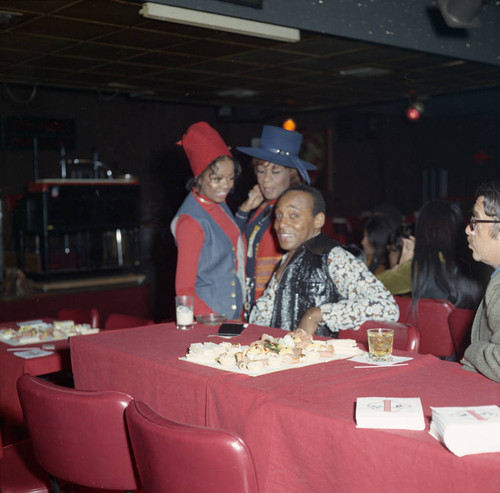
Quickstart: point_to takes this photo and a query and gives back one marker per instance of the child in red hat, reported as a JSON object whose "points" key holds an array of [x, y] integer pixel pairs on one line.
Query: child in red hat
{"points": [[211, 250]]}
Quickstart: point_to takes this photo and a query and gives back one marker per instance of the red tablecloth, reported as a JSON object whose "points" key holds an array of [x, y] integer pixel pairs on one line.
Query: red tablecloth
{"points": [[12, 367], [299, 424]]}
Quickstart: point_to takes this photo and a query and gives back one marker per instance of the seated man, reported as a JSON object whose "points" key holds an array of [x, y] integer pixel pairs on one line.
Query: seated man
{"points": [[319, 286], [483, 355]]}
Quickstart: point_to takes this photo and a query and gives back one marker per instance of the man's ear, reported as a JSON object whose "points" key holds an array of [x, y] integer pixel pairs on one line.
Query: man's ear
{"points": [[319, 220]]}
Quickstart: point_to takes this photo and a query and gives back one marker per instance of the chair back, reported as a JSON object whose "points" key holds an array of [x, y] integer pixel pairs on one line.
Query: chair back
{"points": [[183, 458], [406, 337], [79, 436], [123, 321], [460, 321], [19, 471], [404, 305], [80, 316], [430, 316]]}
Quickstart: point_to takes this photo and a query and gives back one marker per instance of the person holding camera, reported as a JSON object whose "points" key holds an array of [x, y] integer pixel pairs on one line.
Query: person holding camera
{"points": [[400, 250]]}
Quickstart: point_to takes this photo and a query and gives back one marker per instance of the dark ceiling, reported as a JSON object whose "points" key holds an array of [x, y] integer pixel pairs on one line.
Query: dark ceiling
{"points": [[106, 46]]}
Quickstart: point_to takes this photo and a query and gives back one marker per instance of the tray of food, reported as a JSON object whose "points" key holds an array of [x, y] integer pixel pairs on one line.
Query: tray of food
{"points": [[38, 331], [270, 354]]}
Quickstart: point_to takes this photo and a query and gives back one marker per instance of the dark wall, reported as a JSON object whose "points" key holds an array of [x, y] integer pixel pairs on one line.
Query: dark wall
{"points": [[379, 156], [376, 155], [129, 136]]}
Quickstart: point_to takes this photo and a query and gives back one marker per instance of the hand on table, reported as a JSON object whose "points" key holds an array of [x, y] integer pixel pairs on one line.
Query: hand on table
{"points": [[310, 320]]}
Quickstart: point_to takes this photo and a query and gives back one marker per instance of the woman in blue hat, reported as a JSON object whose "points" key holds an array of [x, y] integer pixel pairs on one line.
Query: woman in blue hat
{"points": [[277, 167]]}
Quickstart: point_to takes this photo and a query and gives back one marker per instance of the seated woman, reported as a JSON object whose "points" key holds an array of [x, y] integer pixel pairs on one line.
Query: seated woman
{"points": [[435, 263], [376, 231], [400, 248], [441, 263]]}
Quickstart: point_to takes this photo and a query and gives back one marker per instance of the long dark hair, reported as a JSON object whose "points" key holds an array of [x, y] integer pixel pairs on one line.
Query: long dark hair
{"points": [[378, 229], [441, 262]]}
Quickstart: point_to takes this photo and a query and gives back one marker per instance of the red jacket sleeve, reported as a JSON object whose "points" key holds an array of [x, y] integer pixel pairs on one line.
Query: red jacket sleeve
{"points": [[190, 238]]}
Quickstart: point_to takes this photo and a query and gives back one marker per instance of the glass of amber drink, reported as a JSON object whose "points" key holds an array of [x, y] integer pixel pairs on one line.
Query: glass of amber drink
{"points": [[380, 344]]}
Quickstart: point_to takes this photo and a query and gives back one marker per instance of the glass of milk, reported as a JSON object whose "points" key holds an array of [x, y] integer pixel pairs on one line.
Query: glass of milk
{"points": [[184, 310]]}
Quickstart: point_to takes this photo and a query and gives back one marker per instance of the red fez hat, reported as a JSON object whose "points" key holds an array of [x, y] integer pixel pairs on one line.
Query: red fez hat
{"points": [[202, 144]]}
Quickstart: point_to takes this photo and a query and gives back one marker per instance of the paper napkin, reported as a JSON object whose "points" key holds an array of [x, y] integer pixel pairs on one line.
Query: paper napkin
{"points": [[398, 413], [365, 358], [33, 353], [467, 430]]}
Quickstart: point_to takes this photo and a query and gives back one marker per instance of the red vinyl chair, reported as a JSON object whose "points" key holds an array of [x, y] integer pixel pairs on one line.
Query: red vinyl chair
{"points": [[79, 436], [80, 316], [19, 471], [430, 316], [183, 458], [404, 304], [406, 337], [460, 321], [123, 321]]}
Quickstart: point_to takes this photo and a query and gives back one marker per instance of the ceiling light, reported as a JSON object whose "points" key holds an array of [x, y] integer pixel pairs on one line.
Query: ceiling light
{"points": [[289, 124], [415, 108], [219, 22], [364, 71], [414, 111], [455, 63], [237, 93]]}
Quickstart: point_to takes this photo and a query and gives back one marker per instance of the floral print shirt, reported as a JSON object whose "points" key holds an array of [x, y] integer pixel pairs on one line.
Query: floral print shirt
{"points": [[363, 296]]}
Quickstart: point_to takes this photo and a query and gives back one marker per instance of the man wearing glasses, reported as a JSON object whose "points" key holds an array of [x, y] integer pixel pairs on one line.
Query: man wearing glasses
{"points": [[483, 236]]}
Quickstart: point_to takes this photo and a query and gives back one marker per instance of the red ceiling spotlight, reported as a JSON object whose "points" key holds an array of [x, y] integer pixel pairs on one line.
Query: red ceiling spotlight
{"points": [[414, 111], [415, 108]]}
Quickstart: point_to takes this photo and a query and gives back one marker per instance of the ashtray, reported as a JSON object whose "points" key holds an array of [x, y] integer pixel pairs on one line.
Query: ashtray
{"points": [[211, 318]]}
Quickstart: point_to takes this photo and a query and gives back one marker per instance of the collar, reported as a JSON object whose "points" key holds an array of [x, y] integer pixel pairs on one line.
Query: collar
{"points": [[202, 199], [320, 244], [495, 272], [265, 205]]}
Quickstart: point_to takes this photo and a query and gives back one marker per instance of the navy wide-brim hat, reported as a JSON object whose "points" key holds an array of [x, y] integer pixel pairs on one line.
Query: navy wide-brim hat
{"points": [[280, 146]]}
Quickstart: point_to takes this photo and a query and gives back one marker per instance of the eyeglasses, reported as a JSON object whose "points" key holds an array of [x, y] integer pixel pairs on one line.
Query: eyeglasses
{"points": [[473, 222]]}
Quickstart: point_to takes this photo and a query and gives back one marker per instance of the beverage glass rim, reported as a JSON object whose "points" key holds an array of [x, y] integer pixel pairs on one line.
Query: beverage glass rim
{"points": [[184, 297], [379, 330]]}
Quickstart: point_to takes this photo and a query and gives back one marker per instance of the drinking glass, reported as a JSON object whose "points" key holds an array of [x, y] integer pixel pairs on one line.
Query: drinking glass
{"points": [[184, 309], [380, 343]]}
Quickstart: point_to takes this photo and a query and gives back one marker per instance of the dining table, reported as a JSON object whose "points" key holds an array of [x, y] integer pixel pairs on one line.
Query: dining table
{"points": [[299, 423], [12, 366]]}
